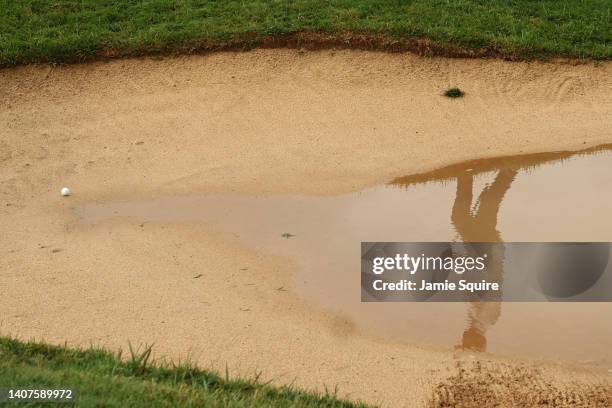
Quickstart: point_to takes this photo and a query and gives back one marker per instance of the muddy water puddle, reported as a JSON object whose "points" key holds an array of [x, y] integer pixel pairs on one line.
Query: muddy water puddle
{"points": [[557, 196]]}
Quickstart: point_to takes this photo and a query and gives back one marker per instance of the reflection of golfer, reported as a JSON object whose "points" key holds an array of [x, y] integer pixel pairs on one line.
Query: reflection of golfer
{"points": [[481, 226]]}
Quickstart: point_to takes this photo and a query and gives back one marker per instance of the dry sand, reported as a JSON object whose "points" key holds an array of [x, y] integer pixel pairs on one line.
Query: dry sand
{"points": [[261, 122]]}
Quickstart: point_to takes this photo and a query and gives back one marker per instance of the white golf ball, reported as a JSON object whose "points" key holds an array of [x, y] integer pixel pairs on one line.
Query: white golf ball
{"points": [[65, 191]]}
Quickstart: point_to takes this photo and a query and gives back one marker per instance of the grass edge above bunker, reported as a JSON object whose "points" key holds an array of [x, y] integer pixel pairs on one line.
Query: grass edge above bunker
{"points": [[520, 31]]}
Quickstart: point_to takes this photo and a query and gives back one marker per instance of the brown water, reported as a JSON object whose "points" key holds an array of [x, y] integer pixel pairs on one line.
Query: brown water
{"points": [[557, 196]]}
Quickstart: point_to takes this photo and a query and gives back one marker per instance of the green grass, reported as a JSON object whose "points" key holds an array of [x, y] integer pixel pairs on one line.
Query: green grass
{"points": [[75, 30], [103, 379]]}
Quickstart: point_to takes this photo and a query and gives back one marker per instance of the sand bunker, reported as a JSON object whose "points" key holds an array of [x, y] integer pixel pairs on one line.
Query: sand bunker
{"points": [[262, 122]]}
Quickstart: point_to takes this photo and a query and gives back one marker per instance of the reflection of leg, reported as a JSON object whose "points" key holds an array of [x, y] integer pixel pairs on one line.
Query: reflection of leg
{"points": [[460, 216], [490, 201], [481, 317]]}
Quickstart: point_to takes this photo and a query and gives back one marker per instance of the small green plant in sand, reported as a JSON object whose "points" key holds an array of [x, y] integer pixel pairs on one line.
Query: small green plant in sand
{"points": [[454, 93]]}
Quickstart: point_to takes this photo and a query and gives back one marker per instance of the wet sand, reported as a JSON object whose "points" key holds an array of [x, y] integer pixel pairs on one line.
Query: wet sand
{"points": [[258, 123], [320, 235]]}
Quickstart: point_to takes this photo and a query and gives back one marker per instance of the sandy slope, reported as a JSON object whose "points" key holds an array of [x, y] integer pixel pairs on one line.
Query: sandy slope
{"points": [[267, 121]]}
